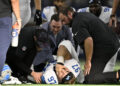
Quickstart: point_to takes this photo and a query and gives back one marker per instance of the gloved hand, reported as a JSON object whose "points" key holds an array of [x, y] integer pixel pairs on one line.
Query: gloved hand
{"points": [[37, 17]]}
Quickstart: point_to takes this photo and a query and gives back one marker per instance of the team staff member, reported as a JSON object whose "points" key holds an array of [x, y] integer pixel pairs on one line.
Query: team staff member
{"points": [[99, 42], [57, 33], [31, 42], [7, 6]]}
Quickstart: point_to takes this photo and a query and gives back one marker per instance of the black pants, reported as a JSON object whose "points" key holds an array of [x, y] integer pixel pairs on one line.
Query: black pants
{"points": [[97, 76]]}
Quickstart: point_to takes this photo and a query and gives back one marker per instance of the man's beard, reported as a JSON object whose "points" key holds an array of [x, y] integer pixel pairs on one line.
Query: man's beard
{"points": [[70, 23], [57, 8]]}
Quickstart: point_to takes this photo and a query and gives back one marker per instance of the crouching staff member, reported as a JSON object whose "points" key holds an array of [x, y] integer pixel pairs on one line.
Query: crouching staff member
{"points": [[31, 42], [99, 42]]}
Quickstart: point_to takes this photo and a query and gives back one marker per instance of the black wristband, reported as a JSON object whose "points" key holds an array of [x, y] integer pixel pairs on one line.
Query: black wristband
{"points": [[60, 63], [112, 15]]}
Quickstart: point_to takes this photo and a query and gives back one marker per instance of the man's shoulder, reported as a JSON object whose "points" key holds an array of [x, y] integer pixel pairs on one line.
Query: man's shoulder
{"points": [[106, 9], [45, 25], [28, 30], [83, 16], [65, 28], [86, 9], [48, 9]]}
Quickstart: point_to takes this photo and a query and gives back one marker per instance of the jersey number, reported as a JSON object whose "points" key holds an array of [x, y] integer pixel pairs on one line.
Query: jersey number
{"points": [[51, 80], [76, 68]]}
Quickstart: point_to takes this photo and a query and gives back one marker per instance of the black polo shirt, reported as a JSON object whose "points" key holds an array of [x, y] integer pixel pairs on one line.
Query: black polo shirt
{"points": [[104, 39], [5, 8], [21, 58]]}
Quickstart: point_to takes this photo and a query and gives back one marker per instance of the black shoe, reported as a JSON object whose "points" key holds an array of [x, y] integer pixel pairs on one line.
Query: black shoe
{"points": [[24, 80]]}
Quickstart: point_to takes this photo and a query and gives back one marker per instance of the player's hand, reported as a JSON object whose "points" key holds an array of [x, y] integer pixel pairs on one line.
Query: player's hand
{"points": [[87, 68], [60, 67], [37, 17], [113, 21], [37, 76]]}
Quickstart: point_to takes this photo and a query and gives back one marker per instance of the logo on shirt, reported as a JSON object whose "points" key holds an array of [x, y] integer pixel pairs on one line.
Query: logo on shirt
{"points": [[24, 48], [75, 33]]}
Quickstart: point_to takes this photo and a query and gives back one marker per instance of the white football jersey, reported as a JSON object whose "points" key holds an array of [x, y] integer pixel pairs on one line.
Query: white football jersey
{"points": [[73, 66], [48, 12], [105, 13], [49, 75]]}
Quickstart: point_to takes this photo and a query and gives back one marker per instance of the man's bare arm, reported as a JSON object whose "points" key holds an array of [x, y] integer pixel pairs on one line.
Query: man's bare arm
{"points": [[37, 4], [16, 10], [88, 45]]}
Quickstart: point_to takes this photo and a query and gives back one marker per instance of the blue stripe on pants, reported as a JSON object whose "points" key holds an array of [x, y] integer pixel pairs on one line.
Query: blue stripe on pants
{"points": [[5, 38]]}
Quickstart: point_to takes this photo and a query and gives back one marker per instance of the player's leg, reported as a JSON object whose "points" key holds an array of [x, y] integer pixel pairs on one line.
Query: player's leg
{"points": [[5, 38]]}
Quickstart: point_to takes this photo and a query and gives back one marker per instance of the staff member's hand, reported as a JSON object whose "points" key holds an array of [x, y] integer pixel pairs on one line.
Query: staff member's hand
{"points": [[87, 68], [37, 76]]}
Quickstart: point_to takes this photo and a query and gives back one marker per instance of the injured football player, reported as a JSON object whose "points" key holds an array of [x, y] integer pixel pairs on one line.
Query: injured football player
{"points": [[66, 67]]}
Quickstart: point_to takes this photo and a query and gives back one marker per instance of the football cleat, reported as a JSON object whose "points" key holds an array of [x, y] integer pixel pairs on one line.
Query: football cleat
{"points": [[12, 80], [5, 74]]}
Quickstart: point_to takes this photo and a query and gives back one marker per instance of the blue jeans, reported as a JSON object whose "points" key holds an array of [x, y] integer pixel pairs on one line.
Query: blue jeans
{"points": [[5, 38]]}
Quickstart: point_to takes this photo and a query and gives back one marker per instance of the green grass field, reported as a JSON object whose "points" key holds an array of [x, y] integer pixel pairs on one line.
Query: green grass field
{"points": [[65, 85], [117, 66]]}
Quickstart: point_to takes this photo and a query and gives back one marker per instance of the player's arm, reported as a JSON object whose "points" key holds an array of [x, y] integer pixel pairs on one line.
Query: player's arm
{"points": [[37, 4], [16, 10], [115, 5], [88, 45], [37, 17], [113, 17], [62, 51], [62, 54]]}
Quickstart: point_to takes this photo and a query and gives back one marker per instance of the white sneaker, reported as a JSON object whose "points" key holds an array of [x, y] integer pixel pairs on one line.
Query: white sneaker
{"points": [[13, 80]]}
